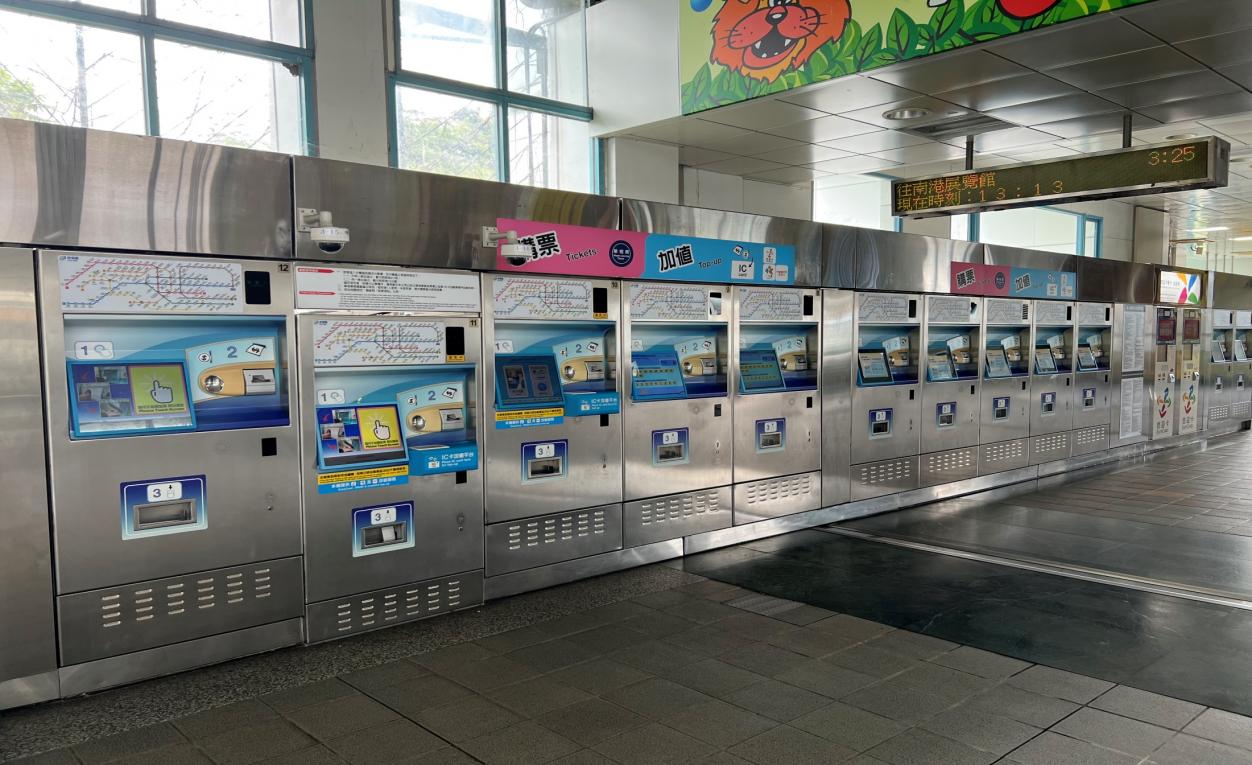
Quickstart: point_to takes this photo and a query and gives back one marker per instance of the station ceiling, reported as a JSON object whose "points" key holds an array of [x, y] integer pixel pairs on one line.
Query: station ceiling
{"points": [[1178, 67]]}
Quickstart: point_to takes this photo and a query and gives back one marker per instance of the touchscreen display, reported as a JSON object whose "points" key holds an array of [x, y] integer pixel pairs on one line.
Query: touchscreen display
{"points": [[759, 371], [1045, 364], [525, 381], [939, 367], [873, 366], [656, 376], [117, 398], [359, 435], [1241, 351], [1086, 359], [998, 363]]}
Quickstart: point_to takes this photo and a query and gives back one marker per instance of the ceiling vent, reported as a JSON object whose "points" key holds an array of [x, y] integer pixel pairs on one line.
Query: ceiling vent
{"points": [[958, 127]]}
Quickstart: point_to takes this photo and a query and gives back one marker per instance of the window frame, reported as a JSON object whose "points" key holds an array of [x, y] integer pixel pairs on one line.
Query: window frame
{"points": [[500, 98], [1080, 231], [149, 28]]}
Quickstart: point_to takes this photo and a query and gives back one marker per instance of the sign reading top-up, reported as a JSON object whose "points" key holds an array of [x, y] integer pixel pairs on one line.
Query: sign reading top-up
{"points": [[1201, 163]]}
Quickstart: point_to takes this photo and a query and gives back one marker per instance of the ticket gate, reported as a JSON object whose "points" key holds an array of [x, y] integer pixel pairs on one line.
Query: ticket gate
{"points": [[778, 413], [676, 421], [1187, 356], [1162, 394], [170, 444], [553, 432], [1093, 377], [1004, 424], [953, 346], [1241, 392], [393, 494], [886, 407], [1217, 369]]}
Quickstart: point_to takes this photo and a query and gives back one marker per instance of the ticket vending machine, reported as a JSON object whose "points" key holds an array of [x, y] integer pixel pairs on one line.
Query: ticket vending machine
{"points": [[1093, 377], [393, 494], [552, 427], [676, 422], [1004, 425], [1052, 381], [176, 513], [1163, 392], [886, 405], [778, 413], [952, 342], [1188, 356], [1241, 390], [1217, 369]]}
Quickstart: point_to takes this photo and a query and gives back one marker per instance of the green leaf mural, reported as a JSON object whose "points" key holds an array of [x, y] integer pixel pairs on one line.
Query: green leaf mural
{"points": [[812, 43]]}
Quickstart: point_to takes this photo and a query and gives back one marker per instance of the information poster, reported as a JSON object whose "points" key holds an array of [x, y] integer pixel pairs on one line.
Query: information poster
{"points": [[379, 289], [1133, 326], [1132, 408]]}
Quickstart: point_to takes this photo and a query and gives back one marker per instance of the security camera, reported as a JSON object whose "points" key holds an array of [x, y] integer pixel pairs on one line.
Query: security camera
{"points": [[514, 253], [320, 227]]}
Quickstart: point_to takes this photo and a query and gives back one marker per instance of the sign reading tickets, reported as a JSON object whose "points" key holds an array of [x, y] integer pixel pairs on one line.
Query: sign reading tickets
{"points": [[365, 478], [1005, 281], [585, 251], [529, 418]]}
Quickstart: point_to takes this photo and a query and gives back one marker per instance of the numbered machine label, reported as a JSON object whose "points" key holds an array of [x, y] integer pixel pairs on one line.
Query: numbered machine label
{"points": [[771, 435], [164, 506], [945, 414], [670, 447], [383, 528], [880, 423], [544, 460], [1000, 408]]}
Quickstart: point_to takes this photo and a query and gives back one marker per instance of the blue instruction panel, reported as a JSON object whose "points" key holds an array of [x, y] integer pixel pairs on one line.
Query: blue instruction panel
{"points": [[759, 371], [656, 376]]}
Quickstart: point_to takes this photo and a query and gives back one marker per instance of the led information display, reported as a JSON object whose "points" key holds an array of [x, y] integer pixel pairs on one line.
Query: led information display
{"points": [[1200, 163]]}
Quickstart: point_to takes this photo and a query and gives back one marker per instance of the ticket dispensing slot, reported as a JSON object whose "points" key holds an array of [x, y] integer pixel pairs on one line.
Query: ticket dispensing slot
{"points": [[382, 528], [880, 423], [1000, 408], [164, 515], [945, 414], [1047, 403], [670, 447], [542, 461], [771, 434]]}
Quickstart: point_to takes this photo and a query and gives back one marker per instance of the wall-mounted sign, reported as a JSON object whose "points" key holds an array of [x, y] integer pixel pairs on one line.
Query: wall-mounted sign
{"points": [[1012, 281], [1180, 288], [584, 251], [1198, 164]]}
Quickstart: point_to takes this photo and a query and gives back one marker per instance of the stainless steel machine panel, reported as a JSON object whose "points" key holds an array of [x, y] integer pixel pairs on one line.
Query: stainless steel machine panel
{"points": [[516, 545], [1192, 326], [410, 527], [874, 479], [1216, 368], [949, 466], [420, 219], [394, 605], [896, 262], [886, 405], [774, 497], [676, 515], [242, 514], [1006, 394], [1241, 390], [115, 620], [777, 372], [1046, 448], [1052, 392], [676, 419], [1002, 455], [837, 313], [69, 187], [952, 343], [1088, 440], [531, 316], [27, 636], [1093, 374]]}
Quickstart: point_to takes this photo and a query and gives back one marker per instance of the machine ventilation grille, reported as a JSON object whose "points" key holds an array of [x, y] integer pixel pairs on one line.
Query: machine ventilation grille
{"points": [[780, 489], [946, 462], [552, 529], [402, 604], [958, 127], [1242, 409], [1058, 442], [1219, 412], [1094, 435], [156, 603], [1005, 451], [679, 507], [886, 472]]}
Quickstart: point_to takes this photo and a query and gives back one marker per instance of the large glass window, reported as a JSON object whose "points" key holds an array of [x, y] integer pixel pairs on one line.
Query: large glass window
{"points": [[493, 89], [1043, 228], [230, 72]]}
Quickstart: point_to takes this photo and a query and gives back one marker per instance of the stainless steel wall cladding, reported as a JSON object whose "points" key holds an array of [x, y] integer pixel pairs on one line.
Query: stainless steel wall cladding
{"points": [[1115, 281], [895, 262], [839, 249], [804, 235], [420, 219], [1231, 291], [91, 188]]}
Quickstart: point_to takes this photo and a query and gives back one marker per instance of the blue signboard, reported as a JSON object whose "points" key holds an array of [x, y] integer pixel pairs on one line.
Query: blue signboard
{"points": [[692, 259], [1041, 283], [656, 376], [432, 460]]}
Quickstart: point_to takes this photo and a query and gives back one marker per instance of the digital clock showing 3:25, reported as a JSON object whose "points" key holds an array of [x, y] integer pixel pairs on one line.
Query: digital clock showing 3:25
{"points": [[1195, 164]]}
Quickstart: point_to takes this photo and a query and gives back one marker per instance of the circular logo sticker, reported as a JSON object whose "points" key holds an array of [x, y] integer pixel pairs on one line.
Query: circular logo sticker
{"points": [[1000, 281], [621, 253]]}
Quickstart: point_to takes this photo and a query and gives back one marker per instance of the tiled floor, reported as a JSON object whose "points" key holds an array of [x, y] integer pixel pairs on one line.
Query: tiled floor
{"points": [[705, 672]]}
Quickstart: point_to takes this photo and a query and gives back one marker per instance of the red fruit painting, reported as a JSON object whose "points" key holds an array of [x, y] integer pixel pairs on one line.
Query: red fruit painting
{"points": [[1025, 9]]}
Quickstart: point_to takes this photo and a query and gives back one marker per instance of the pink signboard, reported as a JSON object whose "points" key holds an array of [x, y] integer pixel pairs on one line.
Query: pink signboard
{"points": [[978, 279], [574, 250]]}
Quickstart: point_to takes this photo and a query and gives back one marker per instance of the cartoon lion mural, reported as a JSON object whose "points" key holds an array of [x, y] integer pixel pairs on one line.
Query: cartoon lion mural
{"points": [[764, 38]]}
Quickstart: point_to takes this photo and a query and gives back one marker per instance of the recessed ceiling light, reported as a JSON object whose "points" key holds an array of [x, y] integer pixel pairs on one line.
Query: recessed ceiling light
{"points": [[1210, 228], [905, 114], [1180, 136]]}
